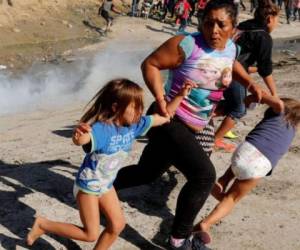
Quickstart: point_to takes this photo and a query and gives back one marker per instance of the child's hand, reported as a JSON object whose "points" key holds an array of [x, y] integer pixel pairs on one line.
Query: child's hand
{"points": [[186, 88], [159, 120], [80, 134]]}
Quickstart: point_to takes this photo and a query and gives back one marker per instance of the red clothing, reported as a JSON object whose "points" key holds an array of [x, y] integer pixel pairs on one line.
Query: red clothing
{"points": [[296, 4], [202, 4], [186, 8]]}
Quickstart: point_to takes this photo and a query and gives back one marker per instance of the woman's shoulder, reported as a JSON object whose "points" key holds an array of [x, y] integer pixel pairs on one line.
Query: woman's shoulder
{"points": [[188, 42]]}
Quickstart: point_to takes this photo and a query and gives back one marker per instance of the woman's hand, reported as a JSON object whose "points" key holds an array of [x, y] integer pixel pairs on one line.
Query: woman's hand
{"points": [[161, 105], [279, 106], [257, 91]]}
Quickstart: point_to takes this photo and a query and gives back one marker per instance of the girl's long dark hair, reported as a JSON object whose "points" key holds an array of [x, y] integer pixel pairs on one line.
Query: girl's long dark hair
{"points": [[117, 93], [291, 111]]}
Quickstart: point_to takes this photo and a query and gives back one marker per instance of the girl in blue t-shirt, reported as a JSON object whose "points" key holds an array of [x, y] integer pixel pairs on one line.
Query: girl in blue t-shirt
{"points": [[106, 132], [254, 158]]}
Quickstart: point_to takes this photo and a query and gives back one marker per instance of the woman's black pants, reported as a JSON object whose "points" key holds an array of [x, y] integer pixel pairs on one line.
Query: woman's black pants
{"points": [[174, 144]]}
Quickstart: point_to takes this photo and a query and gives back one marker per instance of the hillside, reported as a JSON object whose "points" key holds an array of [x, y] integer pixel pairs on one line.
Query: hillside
{"points": [[41, 30]]}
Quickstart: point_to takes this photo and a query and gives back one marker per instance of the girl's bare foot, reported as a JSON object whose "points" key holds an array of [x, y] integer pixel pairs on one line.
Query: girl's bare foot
{"points": [[35, 232]]}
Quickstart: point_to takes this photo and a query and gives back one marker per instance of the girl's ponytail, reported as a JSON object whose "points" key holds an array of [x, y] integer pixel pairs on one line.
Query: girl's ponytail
{"points": [[265, 9]]}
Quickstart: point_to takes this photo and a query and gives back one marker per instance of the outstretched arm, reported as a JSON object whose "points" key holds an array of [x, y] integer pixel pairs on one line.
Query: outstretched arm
{"points": [[269, 81], [175, 102], [273, 101], [173, 105], [240, 75]]}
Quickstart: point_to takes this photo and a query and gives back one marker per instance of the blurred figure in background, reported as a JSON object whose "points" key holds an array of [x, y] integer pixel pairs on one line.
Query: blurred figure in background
{"points": [[288, 6], [201, 6]]}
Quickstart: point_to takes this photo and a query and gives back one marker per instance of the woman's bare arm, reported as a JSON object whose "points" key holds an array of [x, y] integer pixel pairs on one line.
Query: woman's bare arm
{"points": [[168, 56]]}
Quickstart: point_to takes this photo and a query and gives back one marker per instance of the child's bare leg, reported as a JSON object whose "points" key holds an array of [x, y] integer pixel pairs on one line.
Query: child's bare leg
{"points": [[110, 206], [35, 231], [236, 192], [218, 190], [89, 214]]}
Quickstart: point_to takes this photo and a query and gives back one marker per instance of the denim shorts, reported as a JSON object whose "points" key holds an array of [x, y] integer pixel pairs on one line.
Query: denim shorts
{"points": [[233, 102]]}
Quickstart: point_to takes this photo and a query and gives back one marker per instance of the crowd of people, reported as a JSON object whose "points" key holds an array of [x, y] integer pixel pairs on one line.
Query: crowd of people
{"points": [[182, 11], [208, 76]]}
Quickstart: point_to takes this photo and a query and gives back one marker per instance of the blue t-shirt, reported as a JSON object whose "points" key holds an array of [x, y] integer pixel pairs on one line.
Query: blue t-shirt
{"points": [[272, 136], [110, 145]]}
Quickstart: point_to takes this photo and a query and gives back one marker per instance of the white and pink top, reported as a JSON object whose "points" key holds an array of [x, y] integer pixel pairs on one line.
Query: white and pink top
{"points": [[210, 69]]}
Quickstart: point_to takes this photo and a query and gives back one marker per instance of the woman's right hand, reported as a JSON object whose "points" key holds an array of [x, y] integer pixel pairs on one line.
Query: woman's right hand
{"points": [[161, 106]]}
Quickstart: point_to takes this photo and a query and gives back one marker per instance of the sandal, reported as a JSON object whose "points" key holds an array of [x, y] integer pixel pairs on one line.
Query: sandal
{"points": [[230, 135], [227, 147]]}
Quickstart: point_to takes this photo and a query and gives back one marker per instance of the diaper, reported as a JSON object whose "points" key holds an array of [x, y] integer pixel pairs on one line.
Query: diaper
{"points": [[248, 162]]}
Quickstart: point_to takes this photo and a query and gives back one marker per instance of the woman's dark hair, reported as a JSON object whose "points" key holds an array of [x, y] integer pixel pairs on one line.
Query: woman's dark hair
{"points": [[119, 93], [291, 111], [228, 5], [265, 9]]}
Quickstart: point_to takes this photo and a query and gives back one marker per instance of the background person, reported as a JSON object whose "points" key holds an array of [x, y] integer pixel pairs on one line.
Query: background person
{"points": [[256, 44]]}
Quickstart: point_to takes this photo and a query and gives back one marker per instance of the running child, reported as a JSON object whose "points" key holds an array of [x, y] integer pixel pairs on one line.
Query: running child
{"points": [[114, 120], [254, 158]]}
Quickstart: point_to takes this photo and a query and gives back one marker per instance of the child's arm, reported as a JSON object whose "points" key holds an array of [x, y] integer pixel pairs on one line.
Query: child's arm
{"points": [[175, 102], [274, 102], [81, 136], [158, 120]]}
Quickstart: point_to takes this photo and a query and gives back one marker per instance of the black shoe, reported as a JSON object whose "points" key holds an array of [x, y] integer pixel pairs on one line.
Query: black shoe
{"points": [[187, 245], [197, 244]]}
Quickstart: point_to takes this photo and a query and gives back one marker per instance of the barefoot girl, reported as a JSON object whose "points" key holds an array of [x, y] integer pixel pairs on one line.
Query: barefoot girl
{"points": [[115, 119], [255, 158]]}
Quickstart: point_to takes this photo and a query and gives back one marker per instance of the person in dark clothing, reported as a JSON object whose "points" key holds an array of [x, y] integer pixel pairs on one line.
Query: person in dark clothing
{"points": [[169, 6], [192, 12], [176, 143], [288, 6], [255, 42], [200, 58], [279, 3]]}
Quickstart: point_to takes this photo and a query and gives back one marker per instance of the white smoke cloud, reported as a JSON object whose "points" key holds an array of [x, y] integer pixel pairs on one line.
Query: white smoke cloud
{"points": [[55, 85]]}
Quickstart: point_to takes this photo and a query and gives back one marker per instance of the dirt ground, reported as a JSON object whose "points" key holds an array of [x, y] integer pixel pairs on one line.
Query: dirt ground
{"points": [[38, 161]]}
